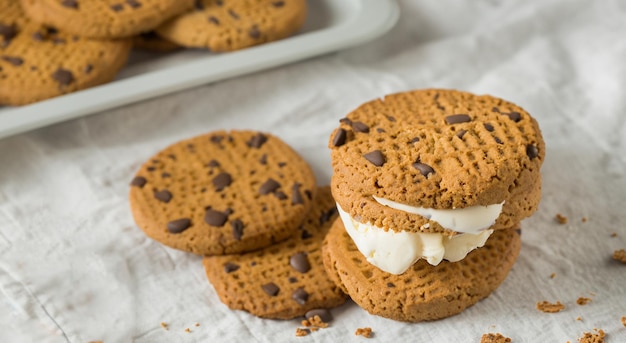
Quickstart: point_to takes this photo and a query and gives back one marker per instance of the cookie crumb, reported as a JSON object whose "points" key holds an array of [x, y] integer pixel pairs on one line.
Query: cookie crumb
{"points": [[624, 321], [552, 276], [620, 255], [580, 319], [583, 301], [196, 324], [547, 307], [494, 338], [561, 219], [584, 219], [614, 234], [187, 330], [365, 332], [302, 332], [314, 321], [589, 337], [164, 326]]}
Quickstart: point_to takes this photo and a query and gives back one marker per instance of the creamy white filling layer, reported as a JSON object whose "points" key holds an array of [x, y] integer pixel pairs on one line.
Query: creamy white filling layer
{"points": [[394, 252], [472, 219]]}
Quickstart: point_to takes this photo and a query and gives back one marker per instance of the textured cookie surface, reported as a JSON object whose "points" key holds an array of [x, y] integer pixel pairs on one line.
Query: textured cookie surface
{"points": [[222, 193], [153, 42], [38, 62], [226, 25], [285, 280], [424, 292], [104, 19], [439, 149]]}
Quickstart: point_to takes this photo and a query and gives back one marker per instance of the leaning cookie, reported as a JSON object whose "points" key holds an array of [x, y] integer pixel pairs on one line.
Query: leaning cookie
{"points": [[434, 168], [222, 193], [424, 292], [221, 25], [104, 19], [38, 62], [285, 280]]}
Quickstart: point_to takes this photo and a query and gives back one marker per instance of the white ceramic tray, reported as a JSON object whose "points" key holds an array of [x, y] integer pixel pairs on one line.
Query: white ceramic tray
{"points": [[331, 25]]}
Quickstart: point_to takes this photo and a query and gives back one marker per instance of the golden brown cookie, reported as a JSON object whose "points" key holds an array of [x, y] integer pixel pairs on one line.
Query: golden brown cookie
{"points": [[222, 193], [104, 19], [39, 62], [436, 149], [285, 280], [424, 292], [152, 42], [226, 25]]}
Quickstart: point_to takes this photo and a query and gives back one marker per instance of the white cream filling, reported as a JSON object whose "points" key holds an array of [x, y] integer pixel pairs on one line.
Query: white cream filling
{"points": [[394, 252], [472, 219]]}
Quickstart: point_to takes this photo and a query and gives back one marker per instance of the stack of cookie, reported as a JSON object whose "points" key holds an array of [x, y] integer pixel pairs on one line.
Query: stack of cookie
{"points": [[53, 47], [250, 204], [431, 186]]}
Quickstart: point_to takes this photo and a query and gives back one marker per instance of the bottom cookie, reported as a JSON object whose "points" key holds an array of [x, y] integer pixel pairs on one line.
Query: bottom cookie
{"points": [[424, 292], [285, 280]]}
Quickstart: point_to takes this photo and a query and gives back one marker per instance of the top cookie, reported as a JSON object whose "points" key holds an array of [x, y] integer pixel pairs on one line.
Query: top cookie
{"points": [[226, 25], [38, 62], [438, 149], [104, 18], [222, 193]]}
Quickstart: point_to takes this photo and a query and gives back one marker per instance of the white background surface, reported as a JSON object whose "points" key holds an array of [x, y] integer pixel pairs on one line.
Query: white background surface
{"points": [[75, 268]]}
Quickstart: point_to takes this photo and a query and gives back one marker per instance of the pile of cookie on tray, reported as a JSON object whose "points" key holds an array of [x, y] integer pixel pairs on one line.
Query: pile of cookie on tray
{"points": [[421, 220], [54, 47]]}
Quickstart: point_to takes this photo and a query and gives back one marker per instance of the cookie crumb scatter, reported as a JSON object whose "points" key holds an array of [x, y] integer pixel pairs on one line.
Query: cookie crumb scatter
{"points": [[548, 307], [561, 219], [583, 301], [302, 332], [164, 326], [589, 337], [552, 276], [620, 255], [494, 338], [365, 332]]}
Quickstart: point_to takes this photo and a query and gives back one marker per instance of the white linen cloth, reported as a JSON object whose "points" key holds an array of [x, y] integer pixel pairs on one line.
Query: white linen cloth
{"points": [[75, 268]]}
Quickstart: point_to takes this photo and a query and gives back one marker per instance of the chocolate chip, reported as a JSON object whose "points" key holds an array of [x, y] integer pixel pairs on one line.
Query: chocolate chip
{"points": [[269, 186], [117, 7], [495, 109], [323, 313], [345, 121], [228, 211], [497, 140], [215, 218], [165, 175], [199, 5], [461, 133], [292, 279], [532, 151], [216, 139], [380, 130], [88, 68], [358, 126], [138, 181], [8, 32], [308, 194], [300, 262], [221, 181], [325, 216], [230, 267], [414, 140], [38, 36], [133, 3], [305, 234], [58, 41], [233, 14], [14, 60], [278, 3], [424, 169], [519, 231], [300, 296], [514, 116], [391, 118], [257, 141], [281, 164], [296, 196], [214, 20], [458, 118], [33, 68], [237, 226], [178, 225], [488, 127], [375, 157], [151, 168], [271, 289], [51, 30], [63, 76], [70, 4], [390, 285], [213, 163], [253, 263], [172, 157], [254, 32], [340, 138], [163, 196], [219, 3], [280, 195]]}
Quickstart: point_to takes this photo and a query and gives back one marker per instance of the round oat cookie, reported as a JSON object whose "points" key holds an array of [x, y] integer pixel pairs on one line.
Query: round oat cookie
{"points": [[285, 280], [38, 62], [222, 193], [150, 41], [440, 149], [424, 292], [104, 19], [226, 25]]}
